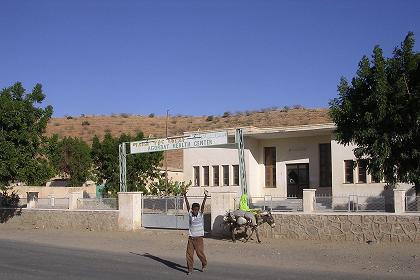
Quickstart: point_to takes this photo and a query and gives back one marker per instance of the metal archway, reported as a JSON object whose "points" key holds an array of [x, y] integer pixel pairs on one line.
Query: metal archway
{"points": [[183, 142]]}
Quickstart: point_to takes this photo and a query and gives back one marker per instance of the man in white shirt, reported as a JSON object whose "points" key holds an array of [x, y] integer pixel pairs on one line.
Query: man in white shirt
{"points": [[196, 233]]}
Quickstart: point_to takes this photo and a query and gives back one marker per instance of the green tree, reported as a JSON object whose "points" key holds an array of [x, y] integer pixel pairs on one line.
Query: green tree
{"points": [[161, 187], [70, 156], [379, 111], [22, 124], [142, 169], [52, 150]]}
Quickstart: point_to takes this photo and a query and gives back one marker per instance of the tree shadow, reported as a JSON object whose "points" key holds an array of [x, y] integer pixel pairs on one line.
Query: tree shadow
{"points": [[9, 206], [169, 264], [382, 203]]}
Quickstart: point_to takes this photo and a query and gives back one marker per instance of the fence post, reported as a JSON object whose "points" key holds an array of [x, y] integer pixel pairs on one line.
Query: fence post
{"points": [[73, 200], [220, 204], [399, 201], [308, 200], [129, 210]]}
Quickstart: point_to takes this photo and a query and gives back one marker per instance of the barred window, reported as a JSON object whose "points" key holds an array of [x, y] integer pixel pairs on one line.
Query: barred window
{"points": [[236, 175], [270, 167], [361, 168], [225, 175], [325, 174], [196, 170], [216, 181], [206, 175], [348, 171]]}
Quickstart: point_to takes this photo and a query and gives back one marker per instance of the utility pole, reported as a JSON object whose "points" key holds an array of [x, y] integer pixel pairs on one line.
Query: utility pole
{"points": [[166, 152]]}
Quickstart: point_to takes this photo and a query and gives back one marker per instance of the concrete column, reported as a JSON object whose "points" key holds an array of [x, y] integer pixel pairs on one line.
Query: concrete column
{"points": [[308, 200], [129, 213], [220, 204], [399, 201], [52, 200], [73, 200]]}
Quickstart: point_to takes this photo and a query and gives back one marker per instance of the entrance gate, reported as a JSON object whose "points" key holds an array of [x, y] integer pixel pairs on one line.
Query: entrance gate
{"points": [[168, 212], [164, 212]]}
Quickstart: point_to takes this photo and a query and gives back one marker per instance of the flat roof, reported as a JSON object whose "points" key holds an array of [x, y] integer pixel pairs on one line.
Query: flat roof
{"points": [[278, 132]]}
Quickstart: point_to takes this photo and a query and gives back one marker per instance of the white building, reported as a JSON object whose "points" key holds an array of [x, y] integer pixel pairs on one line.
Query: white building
{"points": [[281, 162]]}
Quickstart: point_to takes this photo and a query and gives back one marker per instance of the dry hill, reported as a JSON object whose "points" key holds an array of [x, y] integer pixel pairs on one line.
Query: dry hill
{"points": [[87, 126]]}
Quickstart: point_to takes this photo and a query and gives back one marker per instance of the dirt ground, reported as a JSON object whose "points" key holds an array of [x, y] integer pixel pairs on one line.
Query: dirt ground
{"points": [[389, 259]]}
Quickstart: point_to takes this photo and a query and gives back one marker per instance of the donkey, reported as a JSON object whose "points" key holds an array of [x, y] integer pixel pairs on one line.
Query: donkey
{"points": [[235, 224]]}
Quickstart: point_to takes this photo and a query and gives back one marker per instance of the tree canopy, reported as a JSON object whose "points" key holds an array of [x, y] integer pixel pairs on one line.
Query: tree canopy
{"points": [[22, 124], [71, 157], [379, 112], [142, 169]]}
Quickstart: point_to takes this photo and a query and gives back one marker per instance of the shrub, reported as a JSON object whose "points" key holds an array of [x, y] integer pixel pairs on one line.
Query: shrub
{"points": [[125, 115], [226, 114], [298, 106], [85, 123], [151, 115], [69, 117], [210, 118]]}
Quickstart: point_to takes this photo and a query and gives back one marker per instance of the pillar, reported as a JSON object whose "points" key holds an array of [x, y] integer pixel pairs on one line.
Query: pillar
{"points": [[221, 203], [308, 200], [129, 213], [399, 201], [73, 200]]}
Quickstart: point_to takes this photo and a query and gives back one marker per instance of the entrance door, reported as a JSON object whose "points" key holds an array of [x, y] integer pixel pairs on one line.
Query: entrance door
{"points": [[297, 179]]}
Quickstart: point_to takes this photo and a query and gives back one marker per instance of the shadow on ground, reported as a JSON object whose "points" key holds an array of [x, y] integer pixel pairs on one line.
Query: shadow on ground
{"points": [[168, 263]]}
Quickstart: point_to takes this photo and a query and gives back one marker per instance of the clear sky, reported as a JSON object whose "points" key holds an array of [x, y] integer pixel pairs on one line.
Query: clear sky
{"points": [[193, 57]]}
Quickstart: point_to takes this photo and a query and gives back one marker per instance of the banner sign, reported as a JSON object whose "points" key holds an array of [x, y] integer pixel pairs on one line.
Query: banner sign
{"points": [[183, 142]]}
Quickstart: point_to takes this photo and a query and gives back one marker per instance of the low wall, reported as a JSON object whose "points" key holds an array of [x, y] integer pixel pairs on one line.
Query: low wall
{"points": [[345, 227], [58, 192], [94, 220]]}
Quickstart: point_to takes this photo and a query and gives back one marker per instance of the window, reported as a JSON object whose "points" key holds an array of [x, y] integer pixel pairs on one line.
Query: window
{"points": [[270, 166], [325, 174], [375, 179], [225, 175], [236, 175], [206, 176], [216, 175], [196, 175], [348, 171], [362, 174]]}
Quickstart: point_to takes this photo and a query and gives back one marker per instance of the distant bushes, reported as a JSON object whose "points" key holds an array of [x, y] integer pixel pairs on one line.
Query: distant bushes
{"points": [[226, 114]]}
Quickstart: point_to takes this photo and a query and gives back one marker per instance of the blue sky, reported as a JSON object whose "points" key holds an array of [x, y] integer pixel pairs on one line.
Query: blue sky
{"points": [[193, 57]]}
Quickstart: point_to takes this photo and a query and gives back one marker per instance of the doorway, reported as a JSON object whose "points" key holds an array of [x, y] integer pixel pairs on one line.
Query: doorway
{"points": [[297, 179]]}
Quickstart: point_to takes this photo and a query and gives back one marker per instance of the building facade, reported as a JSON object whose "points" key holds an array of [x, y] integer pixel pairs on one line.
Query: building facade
{"points": [[281, 162]]}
